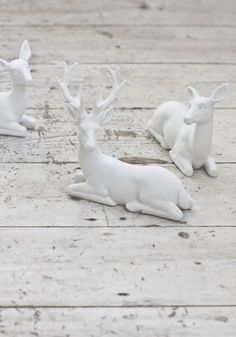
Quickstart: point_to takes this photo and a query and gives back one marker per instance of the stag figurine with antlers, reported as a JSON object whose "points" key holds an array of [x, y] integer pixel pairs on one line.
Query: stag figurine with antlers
{"points": [[188, 131], [13, 121], [146, 189]]}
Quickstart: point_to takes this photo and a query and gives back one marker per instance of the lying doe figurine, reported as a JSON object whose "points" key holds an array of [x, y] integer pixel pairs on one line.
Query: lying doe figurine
{"points": [[150, 190], [188, 131], [13, 122]]}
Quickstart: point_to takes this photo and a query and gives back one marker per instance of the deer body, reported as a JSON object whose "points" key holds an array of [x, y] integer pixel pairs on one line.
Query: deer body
{"points": [[188, 132], [125, 183], [150, 190], [13, 103]]}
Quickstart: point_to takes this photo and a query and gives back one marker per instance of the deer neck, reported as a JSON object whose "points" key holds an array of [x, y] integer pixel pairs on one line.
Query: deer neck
{"points": [[18, 98], [202, 137], [89, 160], [18, 91]]}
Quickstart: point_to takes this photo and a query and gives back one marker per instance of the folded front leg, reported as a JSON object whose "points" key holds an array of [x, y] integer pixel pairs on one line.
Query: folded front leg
{"points": [[160, 139], [88, 192], [182, 163]]}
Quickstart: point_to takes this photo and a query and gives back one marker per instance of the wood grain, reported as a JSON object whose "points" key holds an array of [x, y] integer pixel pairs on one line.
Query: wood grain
{"points": [[35, 195], [122, 12], [117, 266], [129, 44], [126, 137], [73, 268], [134, 322], [148, 84]]}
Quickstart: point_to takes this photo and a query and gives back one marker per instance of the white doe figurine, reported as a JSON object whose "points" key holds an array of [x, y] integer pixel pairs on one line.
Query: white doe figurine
{"points": [[146, 189], [188, 131], [13, 122]]}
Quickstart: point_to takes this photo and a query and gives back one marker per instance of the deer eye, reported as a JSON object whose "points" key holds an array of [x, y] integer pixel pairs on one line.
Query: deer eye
{"points": [[202, 106]]}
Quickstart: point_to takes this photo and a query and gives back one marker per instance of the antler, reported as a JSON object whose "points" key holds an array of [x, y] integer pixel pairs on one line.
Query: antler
{"points": [[102, 104], [74, 102]]}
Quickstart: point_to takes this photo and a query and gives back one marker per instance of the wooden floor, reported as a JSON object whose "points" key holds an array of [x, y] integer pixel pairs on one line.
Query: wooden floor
{"points": [[71, 268]]}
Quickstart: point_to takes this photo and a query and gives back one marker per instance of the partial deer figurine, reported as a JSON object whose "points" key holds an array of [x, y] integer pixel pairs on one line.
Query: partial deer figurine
{"points": [[188, 131], [13, 121], [146, 189]]}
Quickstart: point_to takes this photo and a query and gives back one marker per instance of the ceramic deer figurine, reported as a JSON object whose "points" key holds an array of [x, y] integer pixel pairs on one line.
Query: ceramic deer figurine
{"points": [[188, 131], [145, 189], [13, 121]]}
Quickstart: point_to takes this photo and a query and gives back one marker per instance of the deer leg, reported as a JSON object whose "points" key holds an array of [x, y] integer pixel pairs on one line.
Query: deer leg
{"points": [[158, 208], [29, 122], [210, 167], [88, 192], [14, 129], [182, 163], [159, 138]]}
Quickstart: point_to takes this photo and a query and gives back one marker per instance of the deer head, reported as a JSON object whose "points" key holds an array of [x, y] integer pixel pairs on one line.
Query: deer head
{"points": [[201, 109], [19, 69], [89, 123]]}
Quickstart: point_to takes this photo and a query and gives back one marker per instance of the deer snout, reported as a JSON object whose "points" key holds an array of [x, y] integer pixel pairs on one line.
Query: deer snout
{"points": [[28, 78], [188, 120], [190, 117], [90, 146]]}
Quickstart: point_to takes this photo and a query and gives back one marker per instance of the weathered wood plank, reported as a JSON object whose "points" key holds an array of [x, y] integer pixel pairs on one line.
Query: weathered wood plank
{"points": [[125, 137], [132, 44], [119, 266], [132, 322], [148, 84], [142, 266], [122, 12], [127, 127], [35, 195]]}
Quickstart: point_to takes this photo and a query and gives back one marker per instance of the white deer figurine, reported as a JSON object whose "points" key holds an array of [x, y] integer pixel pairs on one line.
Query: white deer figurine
{"points": [[13, 122], [188, 131], [146, 189]]}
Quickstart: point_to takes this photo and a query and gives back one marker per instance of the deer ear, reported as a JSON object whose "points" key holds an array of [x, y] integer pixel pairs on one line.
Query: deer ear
{"points": [[219, 93], [193, 92], [3, 64], [25, 51], [105, 116]]}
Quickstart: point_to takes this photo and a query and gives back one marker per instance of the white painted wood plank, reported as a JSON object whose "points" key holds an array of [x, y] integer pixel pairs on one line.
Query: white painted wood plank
{"points": [[125, 137], [145, 44], [132, 322], [117, 266], [131, 12], [35, 195], [127, 127], [148, 84]]}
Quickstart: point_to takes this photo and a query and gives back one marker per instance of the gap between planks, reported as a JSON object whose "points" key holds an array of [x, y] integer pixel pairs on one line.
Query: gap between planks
{"points": [[139, 63], [125, 226], [114, 306], [115, 25], [78, 167]]}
